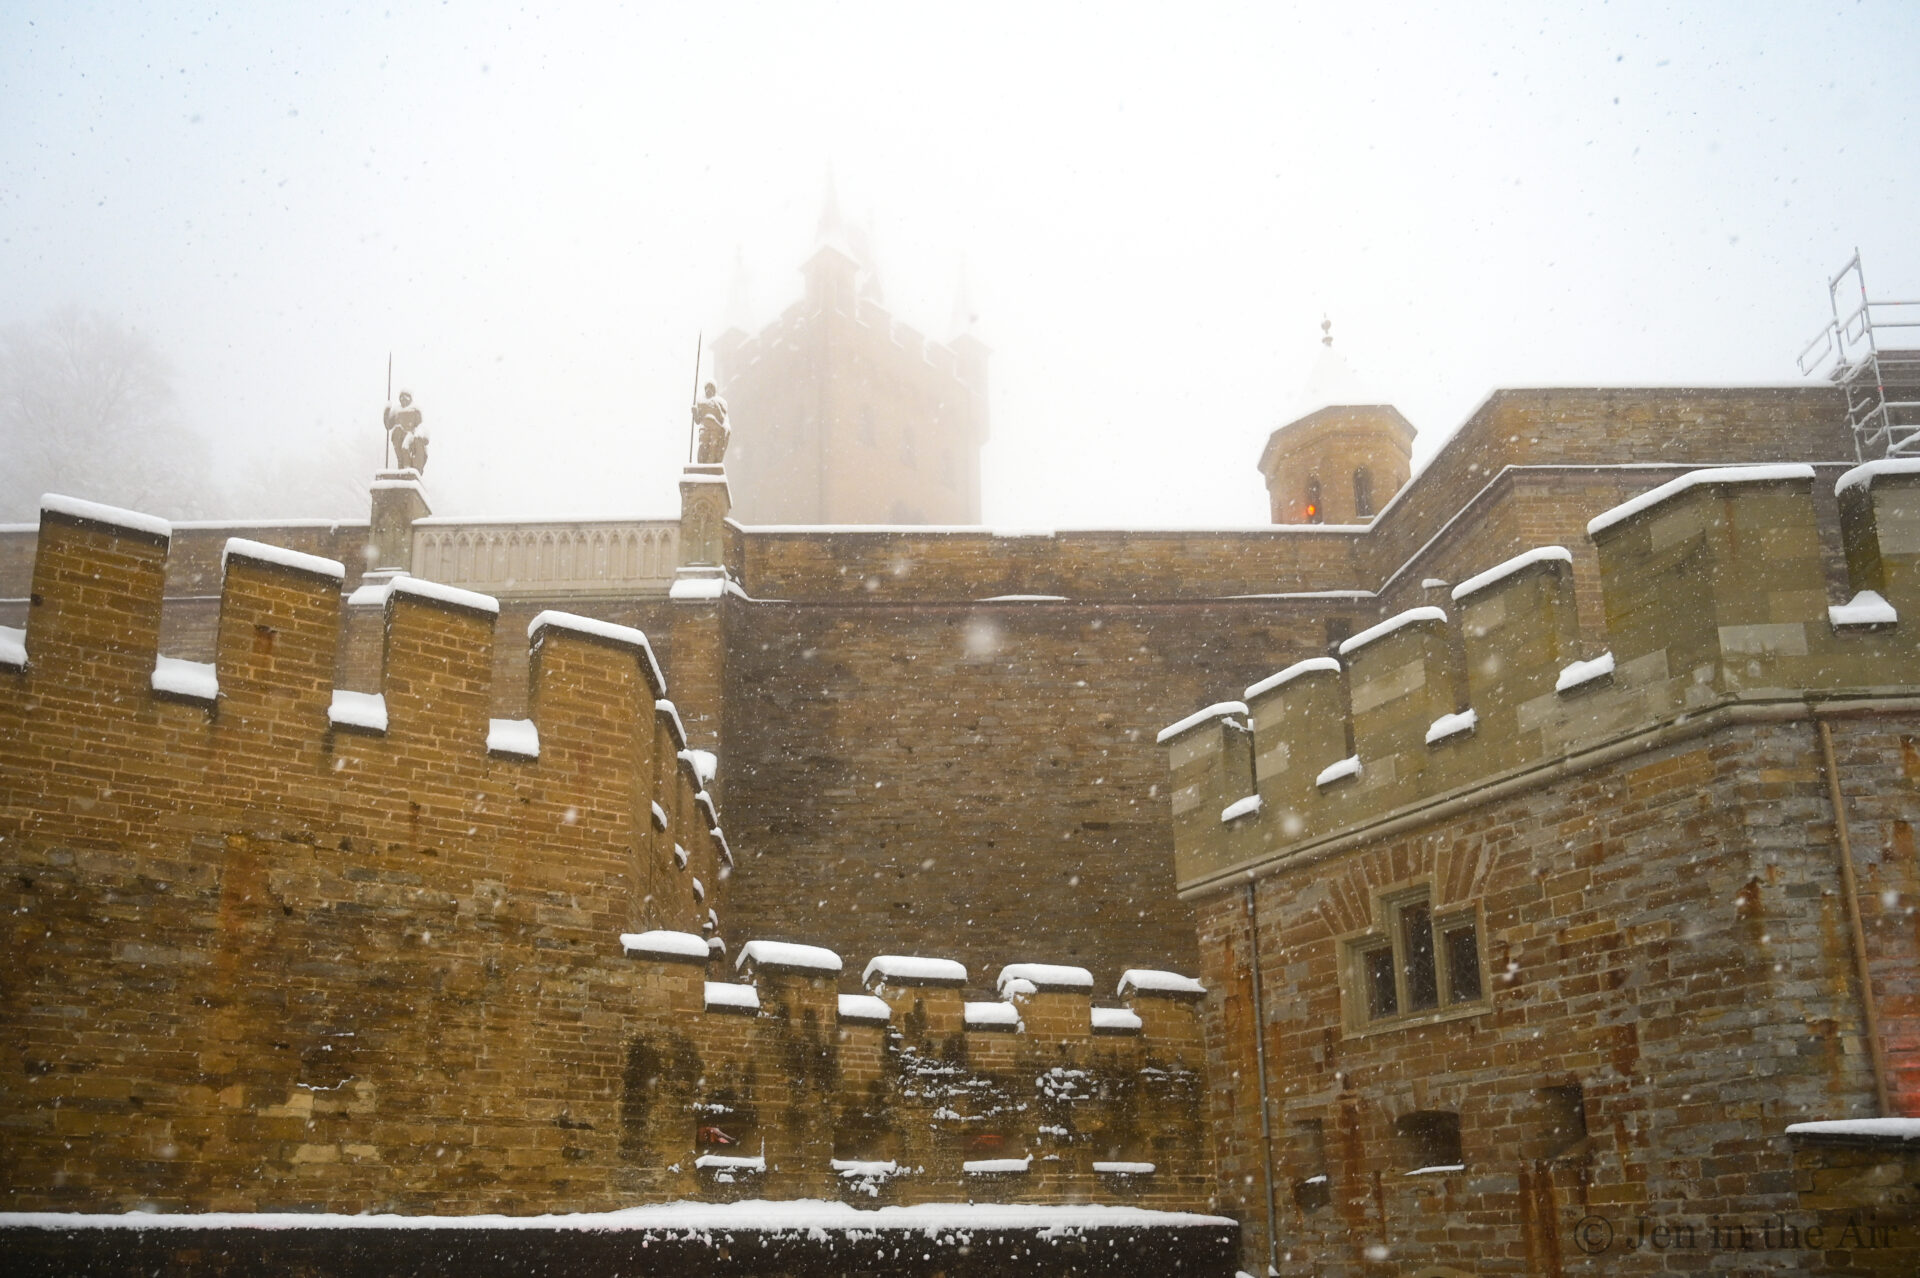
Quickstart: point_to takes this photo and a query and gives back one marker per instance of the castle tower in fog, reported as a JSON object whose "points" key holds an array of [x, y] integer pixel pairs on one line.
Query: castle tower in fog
{"points": [[843, 415]]}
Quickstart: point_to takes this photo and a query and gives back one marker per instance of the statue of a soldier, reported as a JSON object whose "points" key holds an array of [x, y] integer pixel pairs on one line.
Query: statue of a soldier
{"points": [[710, 415], [408, 436]]}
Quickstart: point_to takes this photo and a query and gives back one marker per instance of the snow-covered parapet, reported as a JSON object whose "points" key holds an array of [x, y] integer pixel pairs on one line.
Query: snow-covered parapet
{"points": [[113, 517], [1219, 710], [517, 737], [910, 970], [13, 648], [683, 947], [607, 632], [785, 956], [364, 710], [723, 997], [1155, 983], [1713, 590], [280, 557], [1115, 1020], [188, 680], [991, 1016], [1046, 977], [864, 1009]]}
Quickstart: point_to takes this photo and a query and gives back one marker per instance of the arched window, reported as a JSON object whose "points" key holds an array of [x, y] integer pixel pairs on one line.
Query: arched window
{"points": [[1316, 514], [1363, 493]]}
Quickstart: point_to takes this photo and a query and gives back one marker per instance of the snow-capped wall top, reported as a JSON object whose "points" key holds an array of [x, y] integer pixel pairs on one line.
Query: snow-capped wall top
{"points": [[1148, 980], [1864, 474], [625, 636], [1500, 572], [1693, 479], [1387, 627], [705, 763], [864, 1007], [1287, 676], [909, 969], [1045, 976], [1199, 717], [420, 588], [94, 513], [280, 556], [778, 955], [665, 944]]}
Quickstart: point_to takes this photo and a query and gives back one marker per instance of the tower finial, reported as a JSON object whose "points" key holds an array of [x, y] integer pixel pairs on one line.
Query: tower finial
{"points": [[1326, 330]]}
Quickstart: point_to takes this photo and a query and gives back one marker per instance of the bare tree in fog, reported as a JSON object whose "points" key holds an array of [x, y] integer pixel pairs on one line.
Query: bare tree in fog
{"points": [[87, 408]]}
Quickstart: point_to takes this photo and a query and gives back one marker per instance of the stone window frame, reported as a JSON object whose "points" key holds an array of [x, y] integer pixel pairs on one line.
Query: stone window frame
{"points": [[1386, 933]]}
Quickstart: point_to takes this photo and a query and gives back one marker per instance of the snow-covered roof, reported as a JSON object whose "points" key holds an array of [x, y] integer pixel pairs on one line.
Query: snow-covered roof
{"points": [[94, 513], [778, 955], [1387, 627], [1146, 980], [1310, 666], [1693, 479], [1198, 717], [611, 632], [864, 1007], [1046, 976], [280, 556], [439, 592], [909, 969], [665, 944], [1501, 571]]}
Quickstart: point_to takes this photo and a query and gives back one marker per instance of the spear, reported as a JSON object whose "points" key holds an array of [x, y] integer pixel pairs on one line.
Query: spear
{"points": [[693, 419], [386, 440]]}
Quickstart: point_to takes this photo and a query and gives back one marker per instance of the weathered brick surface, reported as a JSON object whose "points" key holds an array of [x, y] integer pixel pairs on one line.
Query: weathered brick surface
{"points": [[1665, 933]]}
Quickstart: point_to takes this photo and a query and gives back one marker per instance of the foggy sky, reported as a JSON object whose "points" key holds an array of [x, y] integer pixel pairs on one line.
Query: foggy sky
{"points": [[538, 215]]}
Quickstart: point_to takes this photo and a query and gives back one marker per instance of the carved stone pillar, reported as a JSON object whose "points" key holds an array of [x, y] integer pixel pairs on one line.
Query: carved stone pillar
{"points": [[398, 500]]}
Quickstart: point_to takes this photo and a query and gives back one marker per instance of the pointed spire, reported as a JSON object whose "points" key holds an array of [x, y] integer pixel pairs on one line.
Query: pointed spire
{"points": [[1332, 379], [740, 295], [832, 227]]}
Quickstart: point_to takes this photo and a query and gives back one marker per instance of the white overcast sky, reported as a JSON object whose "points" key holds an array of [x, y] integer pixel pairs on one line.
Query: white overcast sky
{"points": [[537, 214]]}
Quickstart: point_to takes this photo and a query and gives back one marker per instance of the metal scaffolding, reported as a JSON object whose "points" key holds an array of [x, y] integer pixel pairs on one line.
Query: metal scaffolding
{"points": [[1881, 381]]}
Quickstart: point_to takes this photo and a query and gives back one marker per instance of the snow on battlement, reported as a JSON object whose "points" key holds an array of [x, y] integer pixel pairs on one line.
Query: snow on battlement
{"points": [[266, 706], [1703, 612]]}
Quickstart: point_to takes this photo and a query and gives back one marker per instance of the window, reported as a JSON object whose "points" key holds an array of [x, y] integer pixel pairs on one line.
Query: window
{"points": [[1363, 493], [1428, 1140], [1563, 1120], [1313, 512], [1416, 962]]}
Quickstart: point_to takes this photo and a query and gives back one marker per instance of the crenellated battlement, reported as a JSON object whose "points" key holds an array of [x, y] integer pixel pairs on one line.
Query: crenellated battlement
{"points": [[1714, 598], [598, 751], [767, 1080]]}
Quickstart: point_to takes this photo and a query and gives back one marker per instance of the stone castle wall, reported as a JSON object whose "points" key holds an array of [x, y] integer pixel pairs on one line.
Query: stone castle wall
{"points": [[1638, 827], [273, 948]]}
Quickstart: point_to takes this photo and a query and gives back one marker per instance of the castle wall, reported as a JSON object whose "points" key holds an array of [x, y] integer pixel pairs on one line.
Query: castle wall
{"points": [[1635, 832], [275, 948]]}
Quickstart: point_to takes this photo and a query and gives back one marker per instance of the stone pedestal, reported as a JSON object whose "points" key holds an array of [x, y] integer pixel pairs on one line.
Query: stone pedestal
{"points": [[398, 500], [704, 504]]}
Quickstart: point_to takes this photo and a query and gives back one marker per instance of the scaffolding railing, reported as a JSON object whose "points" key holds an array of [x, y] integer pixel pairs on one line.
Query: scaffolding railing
{"points": [[1871, 351]]}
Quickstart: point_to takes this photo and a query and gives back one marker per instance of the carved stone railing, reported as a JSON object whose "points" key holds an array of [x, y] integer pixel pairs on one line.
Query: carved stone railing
{"points": [[559, 556]]}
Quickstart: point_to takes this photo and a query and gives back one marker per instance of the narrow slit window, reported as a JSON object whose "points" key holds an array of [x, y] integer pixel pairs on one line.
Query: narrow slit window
{"points": [[1463, 961], [1416, 931], [1383, 998]]}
